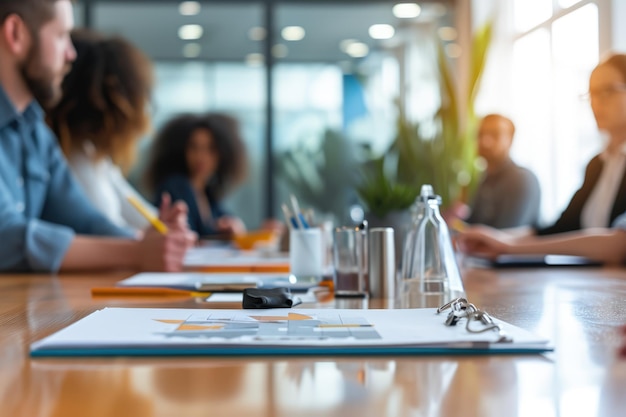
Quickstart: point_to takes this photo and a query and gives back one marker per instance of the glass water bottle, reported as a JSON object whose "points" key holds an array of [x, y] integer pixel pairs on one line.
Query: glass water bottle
{"points": [[418, 211], [430, 273]]}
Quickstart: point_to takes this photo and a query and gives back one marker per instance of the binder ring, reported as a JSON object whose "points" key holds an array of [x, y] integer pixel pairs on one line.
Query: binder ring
{"points": [[462, 308]]}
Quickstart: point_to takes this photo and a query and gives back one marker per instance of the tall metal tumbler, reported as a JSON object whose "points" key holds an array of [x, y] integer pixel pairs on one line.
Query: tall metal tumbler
{"points": [[382, 263]]}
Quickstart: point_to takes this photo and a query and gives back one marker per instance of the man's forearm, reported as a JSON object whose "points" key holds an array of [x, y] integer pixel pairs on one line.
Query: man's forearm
{"points": [[101, 253]]}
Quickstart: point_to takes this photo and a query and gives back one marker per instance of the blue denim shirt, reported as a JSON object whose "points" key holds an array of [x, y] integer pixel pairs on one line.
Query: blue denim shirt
{"points": [[42, 206]]}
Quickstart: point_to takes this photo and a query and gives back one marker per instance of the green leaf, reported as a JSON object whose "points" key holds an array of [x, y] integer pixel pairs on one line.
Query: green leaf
{"points": [[480, 48]]}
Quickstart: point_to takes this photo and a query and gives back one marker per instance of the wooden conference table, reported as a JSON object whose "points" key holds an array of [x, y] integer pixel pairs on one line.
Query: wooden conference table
{"points": [[579, 310]]}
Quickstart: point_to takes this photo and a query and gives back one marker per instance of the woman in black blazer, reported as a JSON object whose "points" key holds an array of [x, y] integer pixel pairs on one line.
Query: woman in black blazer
{"points": [[570, 219], [603, 193]]}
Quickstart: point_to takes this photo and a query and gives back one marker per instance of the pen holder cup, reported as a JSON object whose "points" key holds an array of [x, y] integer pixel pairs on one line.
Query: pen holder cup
{"points": [[305, 255]]}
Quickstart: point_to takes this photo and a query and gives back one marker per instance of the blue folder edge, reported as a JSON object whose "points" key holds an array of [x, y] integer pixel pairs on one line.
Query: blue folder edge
{"points": [[286, 351]]}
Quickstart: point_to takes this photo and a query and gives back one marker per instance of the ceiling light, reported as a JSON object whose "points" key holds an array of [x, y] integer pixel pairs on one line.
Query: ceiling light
{"points": [[447, 33], [189, 8], [382, 31], [406, 10], [257, 33], [292, 33], [279, 50], [454, 50], [357, 50], [255, 60], [192, 50], [344, 44], [190, 32]]}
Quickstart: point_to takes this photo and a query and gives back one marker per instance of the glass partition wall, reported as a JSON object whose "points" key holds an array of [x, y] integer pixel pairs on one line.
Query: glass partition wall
{"points": [[315, 85]]}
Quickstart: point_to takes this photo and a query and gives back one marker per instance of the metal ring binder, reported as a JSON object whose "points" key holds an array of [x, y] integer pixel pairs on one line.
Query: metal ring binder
{"points": [[461, 308]]}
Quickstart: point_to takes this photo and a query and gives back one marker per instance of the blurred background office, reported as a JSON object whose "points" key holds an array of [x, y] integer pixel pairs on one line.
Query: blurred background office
{"points": [[318, 86]]}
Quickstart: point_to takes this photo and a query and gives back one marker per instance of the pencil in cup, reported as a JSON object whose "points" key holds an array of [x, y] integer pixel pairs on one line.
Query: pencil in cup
{"points": [[154, 221], [293, 222]]}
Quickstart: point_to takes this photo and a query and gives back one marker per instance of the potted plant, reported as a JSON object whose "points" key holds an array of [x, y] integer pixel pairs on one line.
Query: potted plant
{"points": [[444, 159]]}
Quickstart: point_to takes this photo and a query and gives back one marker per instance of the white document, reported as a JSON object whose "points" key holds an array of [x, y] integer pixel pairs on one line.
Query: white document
{"points": [[130, 331], [197, 281], [211, 256]]}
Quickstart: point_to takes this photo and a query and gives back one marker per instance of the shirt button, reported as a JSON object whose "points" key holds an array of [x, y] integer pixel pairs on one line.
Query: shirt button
{"points": [[19, 207], [20, 182]]}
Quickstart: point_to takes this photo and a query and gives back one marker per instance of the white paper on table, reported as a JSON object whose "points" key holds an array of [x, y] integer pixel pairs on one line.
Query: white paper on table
{"points": [[210, 256], [135, 331]]}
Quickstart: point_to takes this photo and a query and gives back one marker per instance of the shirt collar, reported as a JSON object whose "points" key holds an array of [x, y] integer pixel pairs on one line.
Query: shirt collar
{"points": [[506, 164], [9, 113]]}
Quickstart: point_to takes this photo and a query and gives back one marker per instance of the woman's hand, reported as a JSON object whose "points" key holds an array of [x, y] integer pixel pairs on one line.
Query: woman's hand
{"points": [[231, 225], [274, 225], [484, 241], [175, 217]]}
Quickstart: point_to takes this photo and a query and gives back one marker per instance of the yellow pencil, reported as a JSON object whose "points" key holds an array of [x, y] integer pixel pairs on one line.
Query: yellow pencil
{"points": [[459, 225], [154, 221]]}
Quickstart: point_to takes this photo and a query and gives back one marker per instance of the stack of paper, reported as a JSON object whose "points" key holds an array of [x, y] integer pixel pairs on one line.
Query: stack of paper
{"points": [[211, 259], [148, 332]]}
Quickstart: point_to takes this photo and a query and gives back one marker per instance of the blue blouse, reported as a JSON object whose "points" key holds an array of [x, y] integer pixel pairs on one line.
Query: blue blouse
{"points": [[180, 189]]}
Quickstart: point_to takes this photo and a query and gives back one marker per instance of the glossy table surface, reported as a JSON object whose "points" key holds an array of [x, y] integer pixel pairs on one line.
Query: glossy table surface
{"points": [[578, 309]]}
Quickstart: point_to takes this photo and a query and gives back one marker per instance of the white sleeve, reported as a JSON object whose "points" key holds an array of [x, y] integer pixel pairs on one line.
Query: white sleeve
{"points": [[123, 189], [93, 178]]}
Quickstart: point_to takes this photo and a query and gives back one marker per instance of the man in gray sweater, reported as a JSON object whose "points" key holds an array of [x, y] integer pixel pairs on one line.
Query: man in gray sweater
{"points": [[508, 195]]}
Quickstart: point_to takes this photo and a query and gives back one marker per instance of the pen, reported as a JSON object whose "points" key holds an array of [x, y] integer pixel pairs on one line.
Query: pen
{"points": [[297, 214], [291, 222], [154, 221], [146, 291]]}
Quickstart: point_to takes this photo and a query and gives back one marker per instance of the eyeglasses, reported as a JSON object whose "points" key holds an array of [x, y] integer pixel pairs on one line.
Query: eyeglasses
{"points": [[604, 93]]}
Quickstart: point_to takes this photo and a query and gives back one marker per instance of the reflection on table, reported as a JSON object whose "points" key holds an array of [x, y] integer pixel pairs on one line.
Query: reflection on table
{"points": [[579, 310]]}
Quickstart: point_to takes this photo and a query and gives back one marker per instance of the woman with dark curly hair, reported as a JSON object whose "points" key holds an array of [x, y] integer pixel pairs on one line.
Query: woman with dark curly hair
{"points": [[100, 117], [198, 159]]}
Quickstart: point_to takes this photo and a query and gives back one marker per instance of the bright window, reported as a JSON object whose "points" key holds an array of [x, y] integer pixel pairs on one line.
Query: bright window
{"points": [[552, 60], [574, 54], [530, 13], [567, 3]]}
